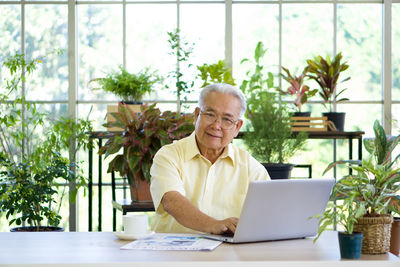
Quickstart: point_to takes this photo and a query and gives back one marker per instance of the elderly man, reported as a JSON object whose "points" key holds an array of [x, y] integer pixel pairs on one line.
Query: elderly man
{"points": [[198, 184]]}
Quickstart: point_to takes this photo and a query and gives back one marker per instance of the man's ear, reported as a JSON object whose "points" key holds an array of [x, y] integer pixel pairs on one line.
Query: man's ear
{"points": [[196, 114], [239, 125]]}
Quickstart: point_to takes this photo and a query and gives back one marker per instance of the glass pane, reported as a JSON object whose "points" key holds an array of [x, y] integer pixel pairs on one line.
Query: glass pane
{"points": [[96, 113], [313, 38], [360, 40], [10, 30], [355, 122], [46, 35], [207, 34], [396, 51], [396, 119], [10, 35], [147, 42], [251, 24], [99, 46]]}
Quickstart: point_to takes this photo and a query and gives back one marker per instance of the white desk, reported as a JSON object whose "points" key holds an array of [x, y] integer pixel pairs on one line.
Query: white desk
{"points": [[102, 249]]}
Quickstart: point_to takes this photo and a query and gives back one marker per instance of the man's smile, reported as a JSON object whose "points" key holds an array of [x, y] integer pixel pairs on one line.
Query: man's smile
{"points": [[213, 135]]}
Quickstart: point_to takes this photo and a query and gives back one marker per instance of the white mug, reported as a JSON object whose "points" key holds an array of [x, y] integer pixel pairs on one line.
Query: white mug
{"points": [[135, 224]]}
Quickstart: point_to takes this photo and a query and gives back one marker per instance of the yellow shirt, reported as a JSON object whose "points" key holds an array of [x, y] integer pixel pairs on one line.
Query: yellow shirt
{"points": [[216, 189]]}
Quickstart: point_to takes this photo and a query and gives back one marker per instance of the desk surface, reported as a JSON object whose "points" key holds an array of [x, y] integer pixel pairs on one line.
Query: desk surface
{"points": [[93, 248]]}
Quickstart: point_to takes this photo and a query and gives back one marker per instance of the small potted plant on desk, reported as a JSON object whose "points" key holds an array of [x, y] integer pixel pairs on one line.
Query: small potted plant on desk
{"points": [[130, 87], [374, 187], [269, 136], [326, 73], [143, 134], [345, 213]]}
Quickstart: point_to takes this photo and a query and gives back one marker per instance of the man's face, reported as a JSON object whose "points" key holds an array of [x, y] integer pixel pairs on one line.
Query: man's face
{"points": [[213, 136]]}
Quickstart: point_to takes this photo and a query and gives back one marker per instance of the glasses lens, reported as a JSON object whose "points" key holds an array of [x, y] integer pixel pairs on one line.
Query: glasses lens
{"points": [[226, 124]]}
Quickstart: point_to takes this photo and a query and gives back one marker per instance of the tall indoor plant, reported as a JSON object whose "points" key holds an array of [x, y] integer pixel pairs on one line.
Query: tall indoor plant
{"points": [[269, 136], [32, 166], [182, 50], [374, 186], [143, 135], [345, 213], [326, 72]]}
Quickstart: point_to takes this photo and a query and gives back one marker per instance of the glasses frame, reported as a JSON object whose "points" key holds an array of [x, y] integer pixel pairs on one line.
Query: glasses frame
{"points": [[234, 123]]}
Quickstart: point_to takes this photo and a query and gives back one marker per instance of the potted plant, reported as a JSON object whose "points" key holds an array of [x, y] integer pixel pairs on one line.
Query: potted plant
{"points": [[31, 165], [215, 73], [268, 136], [143, 135], [345, 213], [326, 73], [380, 147], [375, 186], [130, 87], [301, 91]]}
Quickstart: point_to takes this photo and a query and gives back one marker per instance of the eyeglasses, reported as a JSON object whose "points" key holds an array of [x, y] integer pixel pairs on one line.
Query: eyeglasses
{"points": [[226, 123]]}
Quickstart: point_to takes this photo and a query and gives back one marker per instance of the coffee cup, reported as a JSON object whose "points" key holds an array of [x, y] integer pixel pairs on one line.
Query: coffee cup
{"points": [[135, 224]]}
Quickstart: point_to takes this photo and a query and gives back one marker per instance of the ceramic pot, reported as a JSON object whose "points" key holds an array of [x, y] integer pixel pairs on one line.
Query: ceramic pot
{"points": [[278, 170], [35, 229], [350, 245], [337, 118]]}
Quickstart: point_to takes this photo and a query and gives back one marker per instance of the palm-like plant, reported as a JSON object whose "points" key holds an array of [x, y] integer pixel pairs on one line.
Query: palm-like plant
{"points": [[326, 73]]}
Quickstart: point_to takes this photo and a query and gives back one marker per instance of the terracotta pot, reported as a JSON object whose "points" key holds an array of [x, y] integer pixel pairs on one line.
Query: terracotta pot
{"points": [[140, 191], [376, 231], [395, 237]]}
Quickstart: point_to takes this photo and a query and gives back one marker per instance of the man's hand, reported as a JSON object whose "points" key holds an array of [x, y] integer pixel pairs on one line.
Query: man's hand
{"points": [[191, 217], [227, 226]]}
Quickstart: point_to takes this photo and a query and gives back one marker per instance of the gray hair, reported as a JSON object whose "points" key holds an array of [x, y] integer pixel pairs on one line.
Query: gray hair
{"points": [[224, 89]]}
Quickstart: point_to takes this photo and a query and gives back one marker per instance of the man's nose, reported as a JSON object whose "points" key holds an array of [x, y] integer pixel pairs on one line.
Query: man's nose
{"points": [[217, 123]]}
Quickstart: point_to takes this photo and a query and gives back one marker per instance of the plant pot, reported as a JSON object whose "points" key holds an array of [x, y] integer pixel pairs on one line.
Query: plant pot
{"points": [[131, 105], [395, 237], [350, 245], [34, 229], [140, 191], [278, 170], [376, 231], [302, 114], [337, 118]]}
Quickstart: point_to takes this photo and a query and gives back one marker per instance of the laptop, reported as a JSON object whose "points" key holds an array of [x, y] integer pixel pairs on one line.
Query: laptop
{"points": [[280, 209]]}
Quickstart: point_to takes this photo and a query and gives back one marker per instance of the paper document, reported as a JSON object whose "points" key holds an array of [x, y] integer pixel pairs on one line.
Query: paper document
{"points": [[173, 242]]}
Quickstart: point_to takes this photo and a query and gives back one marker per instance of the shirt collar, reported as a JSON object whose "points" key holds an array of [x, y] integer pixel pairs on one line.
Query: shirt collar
{"points": [[192, 150]]}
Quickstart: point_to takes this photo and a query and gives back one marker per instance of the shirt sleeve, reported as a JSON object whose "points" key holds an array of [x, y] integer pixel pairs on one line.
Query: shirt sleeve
{"points": [[257, 171], [165, 175]]}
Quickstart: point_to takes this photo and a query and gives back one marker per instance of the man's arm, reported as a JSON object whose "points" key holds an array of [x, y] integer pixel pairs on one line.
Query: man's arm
{"points": [[190, 216]]}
